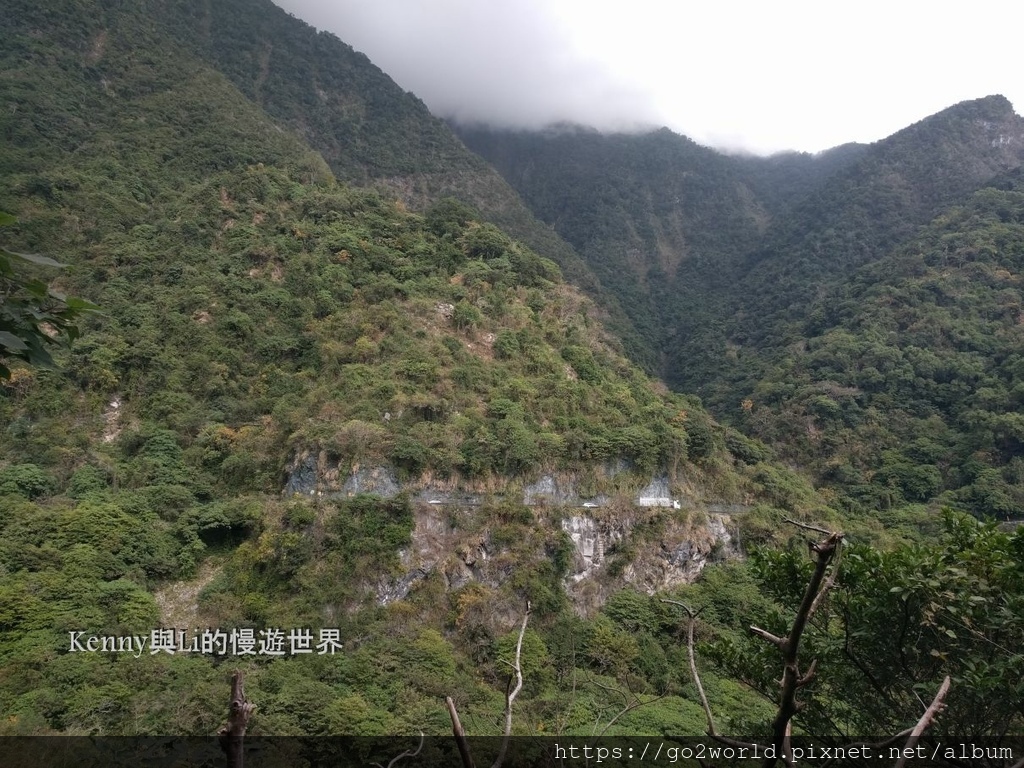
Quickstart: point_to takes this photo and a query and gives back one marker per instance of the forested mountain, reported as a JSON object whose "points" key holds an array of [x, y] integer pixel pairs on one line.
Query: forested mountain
{"points": [[733, 263], [637, 208], [665, 222], [907, 383], [344, 381], [368, 129]]}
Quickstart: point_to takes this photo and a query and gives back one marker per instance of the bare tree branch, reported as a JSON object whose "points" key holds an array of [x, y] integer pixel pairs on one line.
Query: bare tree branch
{"points": [[696, 678], [778, 642], [407, 753], [824, 552], [807, 527], [631, 701], [927, 719], [808, 675], [692, 615], [510, 697]]}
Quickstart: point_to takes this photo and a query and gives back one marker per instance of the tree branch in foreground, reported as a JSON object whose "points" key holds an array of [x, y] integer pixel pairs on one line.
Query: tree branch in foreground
{"points": [[407, 753], [460, 734], [824, 551], [510, 697], [927, 719]]}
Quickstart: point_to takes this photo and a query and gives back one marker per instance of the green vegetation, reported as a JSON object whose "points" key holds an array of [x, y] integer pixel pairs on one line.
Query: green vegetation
{"points": [[192, 164], [856, 311], [256, 309], [896, 624], [906, 386], [33, 316]]}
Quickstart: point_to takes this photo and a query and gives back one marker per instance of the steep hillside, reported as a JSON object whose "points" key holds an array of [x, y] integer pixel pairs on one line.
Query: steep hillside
{"points": [[368, 129], [640, 208], [711, 252], [908, 382]]}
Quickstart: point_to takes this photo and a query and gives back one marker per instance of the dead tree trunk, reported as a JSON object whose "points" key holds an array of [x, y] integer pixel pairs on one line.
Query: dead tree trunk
{"points": [[232, 735]]}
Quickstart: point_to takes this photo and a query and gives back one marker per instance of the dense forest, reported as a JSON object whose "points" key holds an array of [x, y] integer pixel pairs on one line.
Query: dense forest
{"points": [[288, 277]]}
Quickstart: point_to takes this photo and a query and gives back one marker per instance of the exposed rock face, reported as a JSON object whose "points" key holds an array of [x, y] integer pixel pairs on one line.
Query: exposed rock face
{"points": [[690, 540], [379, 481], [438, 546], [302, 476], [450, 540], [550, 491], [312, 475]]}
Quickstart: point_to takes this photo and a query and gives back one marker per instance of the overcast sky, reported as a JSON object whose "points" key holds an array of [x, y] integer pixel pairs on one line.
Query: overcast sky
{"points": [[756, 75]]}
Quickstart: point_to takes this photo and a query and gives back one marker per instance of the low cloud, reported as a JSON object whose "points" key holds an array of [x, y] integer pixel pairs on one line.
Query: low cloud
{"points": [[500, 62]]}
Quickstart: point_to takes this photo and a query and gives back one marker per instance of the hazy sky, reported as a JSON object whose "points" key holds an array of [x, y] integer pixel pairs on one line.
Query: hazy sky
{"points": [[759, 75]]}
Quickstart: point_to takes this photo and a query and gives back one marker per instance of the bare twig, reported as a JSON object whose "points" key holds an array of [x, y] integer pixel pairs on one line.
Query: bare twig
{"points": [[927, 719], [692, 615], [808, 676], [232, 735], [807, 527], [510, 697], [631, 701], [696, 678], [407, 753], [775, 640]]}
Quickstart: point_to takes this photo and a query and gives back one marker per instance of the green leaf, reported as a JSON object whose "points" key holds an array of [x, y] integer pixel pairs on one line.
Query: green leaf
{"points": [[80, 305], [35, 258], [12, 342]]}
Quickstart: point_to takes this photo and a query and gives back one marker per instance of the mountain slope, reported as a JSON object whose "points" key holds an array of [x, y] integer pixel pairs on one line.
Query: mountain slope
{"points": [[640, 209], [709, 252], [855, 216], [908, 382], [367, 128]]}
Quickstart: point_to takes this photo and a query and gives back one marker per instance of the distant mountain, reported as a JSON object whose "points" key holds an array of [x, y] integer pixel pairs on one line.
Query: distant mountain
{"points": [[869, 206], [907, 382], [639, 208]]}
